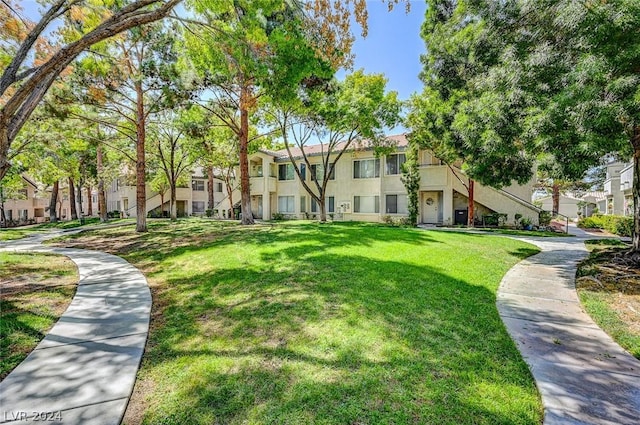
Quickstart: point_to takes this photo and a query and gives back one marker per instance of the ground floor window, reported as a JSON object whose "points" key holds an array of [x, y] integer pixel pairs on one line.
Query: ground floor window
{"points": [[23, 214], [197, 207], [329, 202], [396, 204], [286, 204], [366, 204], [303, 204]]}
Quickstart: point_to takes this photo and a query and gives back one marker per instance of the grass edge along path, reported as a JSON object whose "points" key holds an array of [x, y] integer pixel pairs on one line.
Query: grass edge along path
{"points": [[35, 289], [610, 293], [340, 323]]}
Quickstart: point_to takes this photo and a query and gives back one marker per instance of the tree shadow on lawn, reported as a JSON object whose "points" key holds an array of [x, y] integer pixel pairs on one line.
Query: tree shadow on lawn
{"points": [[345, 339], [170, 240]]}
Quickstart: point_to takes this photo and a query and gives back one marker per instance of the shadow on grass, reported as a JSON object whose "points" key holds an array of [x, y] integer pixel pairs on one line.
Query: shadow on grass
{"points": [[337, 339]]}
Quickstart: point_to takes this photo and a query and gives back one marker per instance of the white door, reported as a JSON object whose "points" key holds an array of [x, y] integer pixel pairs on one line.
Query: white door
{"points": [[430, 207]]}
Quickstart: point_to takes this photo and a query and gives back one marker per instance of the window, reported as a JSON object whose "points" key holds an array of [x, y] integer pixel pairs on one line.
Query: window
{"points": [[285, 172], [23, 214], [394, 163], [217, 186], [197, 207], [366, 168], [303, 171], [286, 204], [197, 185], [396, 204], [303, 204], [317, 171], [329, 201], [366, 204]]}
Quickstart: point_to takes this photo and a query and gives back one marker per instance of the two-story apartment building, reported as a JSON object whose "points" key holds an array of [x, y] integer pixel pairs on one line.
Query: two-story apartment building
{"points": [[191, 199], [31, 206], [364, 187]]}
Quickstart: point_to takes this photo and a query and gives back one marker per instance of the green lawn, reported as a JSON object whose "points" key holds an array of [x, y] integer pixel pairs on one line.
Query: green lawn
{"points": [[298, 323], [611, 293], [35, 289]]}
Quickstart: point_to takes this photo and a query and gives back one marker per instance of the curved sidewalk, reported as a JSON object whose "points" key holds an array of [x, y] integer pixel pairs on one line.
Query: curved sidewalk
{"points": [[83, 371], [583, 376]]}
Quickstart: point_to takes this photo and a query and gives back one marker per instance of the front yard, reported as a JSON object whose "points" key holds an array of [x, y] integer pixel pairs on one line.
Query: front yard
{"points": [[338, 324]]}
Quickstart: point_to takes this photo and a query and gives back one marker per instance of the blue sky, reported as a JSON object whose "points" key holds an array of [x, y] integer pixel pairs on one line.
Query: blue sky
{"points": [[393, 45]]}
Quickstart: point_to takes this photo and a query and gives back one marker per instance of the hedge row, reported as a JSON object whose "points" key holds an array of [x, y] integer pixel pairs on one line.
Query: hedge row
{"points": [[616, 224]]}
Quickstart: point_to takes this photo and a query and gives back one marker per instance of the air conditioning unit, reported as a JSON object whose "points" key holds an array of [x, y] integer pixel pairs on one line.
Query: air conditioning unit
{"points": [[345, 207]]}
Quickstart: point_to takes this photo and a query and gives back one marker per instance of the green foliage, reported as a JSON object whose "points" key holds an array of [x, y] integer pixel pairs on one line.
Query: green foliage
{"points": [[411, 180], [618, 225], [544, 218]]}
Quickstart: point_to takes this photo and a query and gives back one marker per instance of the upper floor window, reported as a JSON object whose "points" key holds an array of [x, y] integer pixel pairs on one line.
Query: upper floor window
{"points": [[394, 163], [285, 172], [197, 185], [366, 168], [317, 171]]}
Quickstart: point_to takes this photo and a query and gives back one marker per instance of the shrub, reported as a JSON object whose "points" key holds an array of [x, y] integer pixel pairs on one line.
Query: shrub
{"points": [[616, 224], [277, 216], [209, 213], [544, 218]]}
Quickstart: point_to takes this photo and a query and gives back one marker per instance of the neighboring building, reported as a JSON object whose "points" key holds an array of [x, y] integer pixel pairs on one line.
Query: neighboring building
{"points": [[614, 194], [571, 205], [366, 188], [190, 200], [32, 206], [626, 186]]}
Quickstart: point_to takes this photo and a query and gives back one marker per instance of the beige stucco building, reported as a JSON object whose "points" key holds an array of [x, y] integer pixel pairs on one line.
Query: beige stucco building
{"points": [[366, 188]]}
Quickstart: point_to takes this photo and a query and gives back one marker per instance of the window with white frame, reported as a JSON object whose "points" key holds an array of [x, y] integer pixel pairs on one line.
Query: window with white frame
{"points": [[23, 214], [396, 204], [394, 163], [366, 204], [217, 186], [329, 201], [285, 172], [286, 204], [303, 171], [197, 185], [197, 207], [303, 204], [366, 168], [317, 171]]}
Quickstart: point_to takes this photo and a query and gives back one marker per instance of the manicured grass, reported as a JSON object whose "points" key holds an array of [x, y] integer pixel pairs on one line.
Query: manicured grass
{"points": [[35, 291], [610, 292], [301, 323]]}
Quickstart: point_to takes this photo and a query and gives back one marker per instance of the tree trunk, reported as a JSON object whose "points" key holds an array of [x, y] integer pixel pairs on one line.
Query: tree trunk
{"points": [[635, 248], [72, 200], [555, 196], [79, 198], [102, 199], [323, 210], [141, 194], [4, 148], [89, 201], [245, 188], [162, 204], [172, 203], [210, 188], [471, 208], [53, 218], [230, 196]]}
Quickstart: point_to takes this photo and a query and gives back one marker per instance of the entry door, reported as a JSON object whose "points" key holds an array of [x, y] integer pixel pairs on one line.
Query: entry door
{"points": [[430, 207], [256, 206]]}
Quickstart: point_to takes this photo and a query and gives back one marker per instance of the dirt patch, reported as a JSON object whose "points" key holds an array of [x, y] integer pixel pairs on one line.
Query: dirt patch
{"points": [[612, 271]]}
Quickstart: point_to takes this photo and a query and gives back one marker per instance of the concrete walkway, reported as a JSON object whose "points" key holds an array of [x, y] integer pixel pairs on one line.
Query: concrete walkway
{"points": [[584, 377], [83, 371]]}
